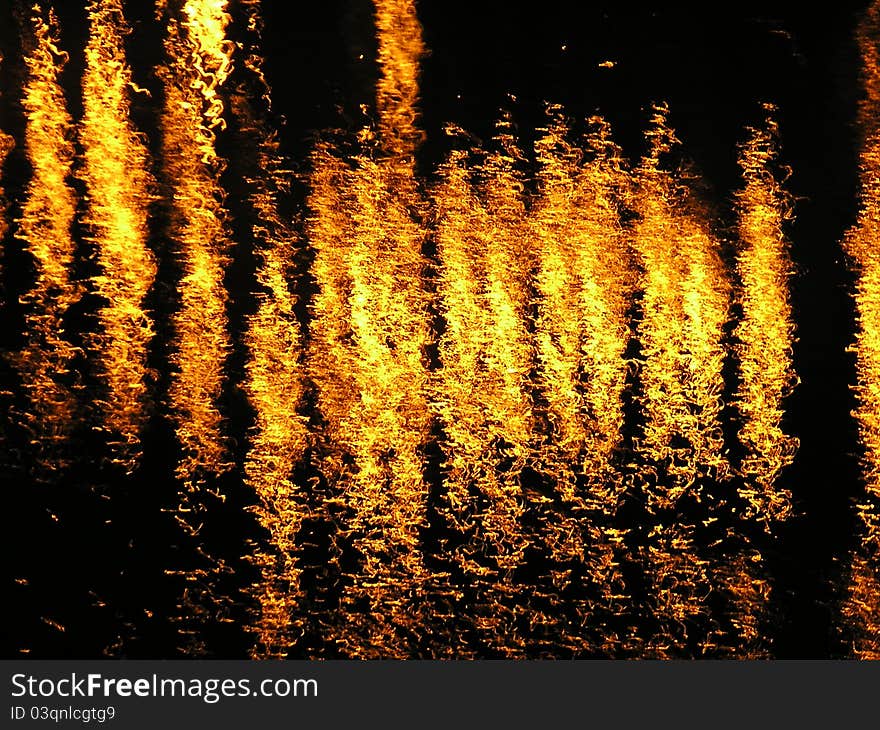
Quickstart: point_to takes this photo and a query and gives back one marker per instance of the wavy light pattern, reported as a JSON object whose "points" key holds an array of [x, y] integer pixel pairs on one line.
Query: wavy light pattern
{"points": [[120, 190], [44, 228]]}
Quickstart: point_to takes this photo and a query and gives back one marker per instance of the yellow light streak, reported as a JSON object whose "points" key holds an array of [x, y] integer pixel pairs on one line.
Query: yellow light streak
{"points": [[119, 189], [480, 390], [400, 51], [199, 60], [274, 376], [371, 323], [685, 305], [584, 283], [44, 229], [861, 605], [765, 333]]}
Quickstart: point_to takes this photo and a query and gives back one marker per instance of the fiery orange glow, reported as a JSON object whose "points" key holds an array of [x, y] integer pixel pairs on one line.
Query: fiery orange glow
{"points": [[274, 375], [199, 62], [369, 273], [482, 396], [6, 145], [706, 306], [332, 357], [685, 305], [662, 324], [370, 315], [861, 608], [684, 308], [765, 334], [119, 192], [400, 52], [584, 281], [388, 324], [45, 230], [505, 386]]}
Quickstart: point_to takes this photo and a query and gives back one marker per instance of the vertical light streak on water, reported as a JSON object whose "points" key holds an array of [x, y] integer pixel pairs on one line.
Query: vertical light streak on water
{"points": [[332, 355], [684, 306], [7, 143], [584, 284], [44, 229], [706, 293], [368, 334], [663, 322], [119, 190], [369, 269], [736, 570], [481, 396], [401, 49], [199, 60], [861, 605], [273, 373], [509, 262], [558, 230], [765, 333], [388, 320], [461, 397]]}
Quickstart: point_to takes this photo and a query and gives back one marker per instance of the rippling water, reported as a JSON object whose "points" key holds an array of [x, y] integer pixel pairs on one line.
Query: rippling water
{"points": [[538, 397]]}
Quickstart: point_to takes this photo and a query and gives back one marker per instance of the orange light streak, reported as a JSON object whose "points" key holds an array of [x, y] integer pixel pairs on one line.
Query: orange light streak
{"points": [[199, 61], [861, 606], [400, 52], [685, 305], [388, 319], [369, 271], [120, 190], [45, 230], [765, 334], [480, 390], [7, 143], [274, 377], [584, 284]]}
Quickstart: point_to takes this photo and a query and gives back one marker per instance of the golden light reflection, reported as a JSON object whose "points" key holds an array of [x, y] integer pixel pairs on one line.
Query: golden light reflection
{"points": [[370, 315], [400, 51], [199, 60], [685, 298], [765, 332], [119, 192], [481, 389], [584, 281], [508, 382], [7, 143], [861, 606], [274, 381], [44, 228], [685, 305]]}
